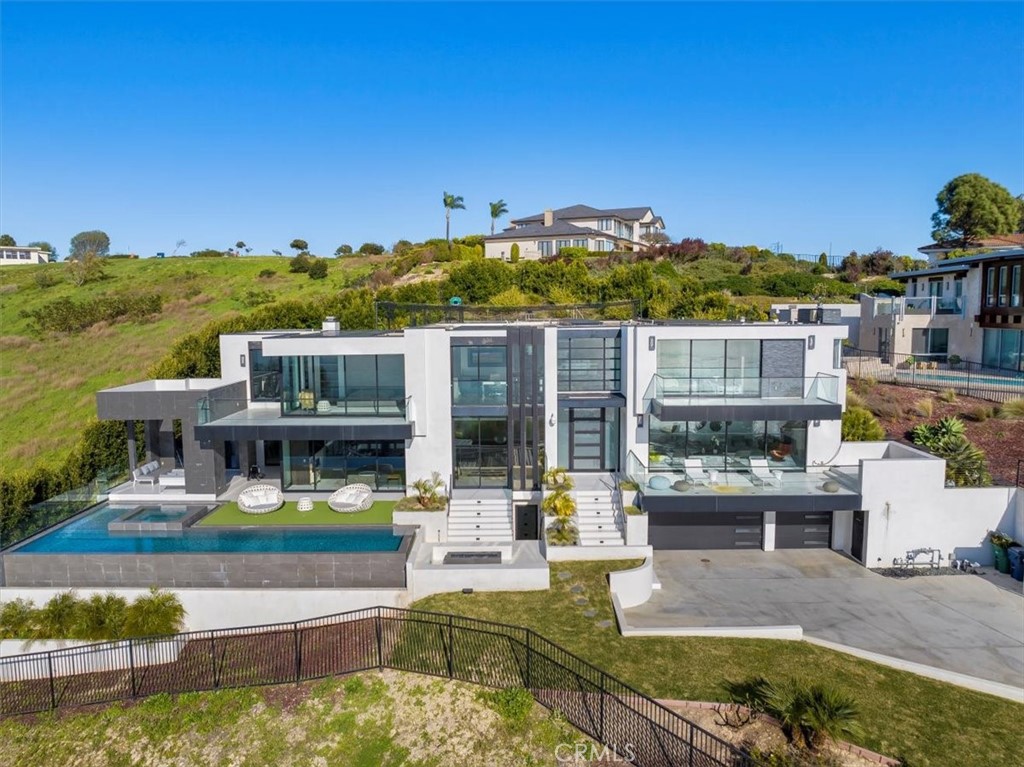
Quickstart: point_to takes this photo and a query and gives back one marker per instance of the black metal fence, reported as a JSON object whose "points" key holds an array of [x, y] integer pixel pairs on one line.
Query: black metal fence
{"points": [[935, 371], [496, 655]]}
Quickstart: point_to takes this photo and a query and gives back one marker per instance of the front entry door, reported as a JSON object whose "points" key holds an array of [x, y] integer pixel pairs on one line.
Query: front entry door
{"points": [[857, 543], [586, 439], [527, 527]]}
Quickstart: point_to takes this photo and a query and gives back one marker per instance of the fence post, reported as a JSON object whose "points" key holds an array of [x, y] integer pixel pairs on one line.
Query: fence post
{"points": [[213, 662], [298, 652], [601, 721], [968, 392], [690, 758], [380, 640], [53, 689], [451, 646], [529, 658], [131, 664]]}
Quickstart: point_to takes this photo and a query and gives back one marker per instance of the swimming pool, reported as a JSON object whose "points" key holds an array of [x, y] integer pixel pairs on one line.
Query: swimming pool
{"points": [[89, 534], [974, 379]]}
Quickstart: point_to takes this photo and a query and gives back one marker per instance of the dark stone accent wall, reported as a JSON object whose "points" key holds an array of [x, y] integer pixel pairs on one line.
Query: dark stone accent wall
{"points": [[780, 360], [235, 571]]}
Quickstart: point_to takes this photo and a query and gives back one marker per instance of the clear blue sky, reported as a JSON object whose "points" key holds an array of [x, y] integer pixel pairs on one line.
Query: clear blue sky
{"points": [[805, 124]]}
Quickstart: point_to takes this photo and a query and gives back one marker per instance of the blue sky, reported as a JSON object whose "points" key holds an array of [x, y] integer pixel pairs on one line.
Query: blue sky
{"points": [[804, 124]]}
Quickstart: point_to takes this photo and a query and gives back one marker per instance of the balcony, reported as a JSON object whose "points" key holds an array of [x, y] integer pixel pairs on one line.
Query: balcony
{"points": [[918, 305], [758, 398]]}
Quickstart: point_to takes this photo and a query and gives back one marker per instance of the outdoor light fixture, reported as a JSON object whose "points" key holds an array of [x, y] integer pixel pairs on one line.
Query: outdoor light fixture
{"points": [[810, 342], [817, 423], [640, 420], [650, 343], [241, 360], [551, 420]]}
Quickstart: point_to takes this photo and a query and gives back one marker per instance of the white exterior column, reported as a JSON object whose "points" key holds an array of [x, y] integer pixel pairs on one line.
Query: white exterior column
{"points": [[768, 533], [551, 456]]}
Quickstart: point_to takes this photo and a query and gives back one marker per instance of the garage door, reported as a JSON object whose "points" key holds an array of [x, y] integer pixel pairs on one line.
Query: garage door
{"points": [[705, 530], [799, 530]]}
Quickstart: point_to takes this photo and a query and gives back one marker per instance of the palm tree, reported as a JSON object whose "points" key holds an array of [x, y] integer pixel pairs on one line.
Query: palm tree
{"points": [[158, 612], [498, 209], [451, 202]]}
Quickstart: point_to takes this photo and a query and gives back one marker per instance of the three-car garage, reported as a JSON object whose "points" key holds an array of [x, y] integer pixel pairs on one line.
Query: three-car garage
{"points": [[739, 529]]}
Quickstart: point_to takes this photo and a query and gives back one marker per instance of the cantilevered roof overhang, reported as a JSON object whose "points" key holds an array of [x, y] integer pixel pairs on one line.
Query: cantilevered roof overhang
{"points": [[268, 425]]}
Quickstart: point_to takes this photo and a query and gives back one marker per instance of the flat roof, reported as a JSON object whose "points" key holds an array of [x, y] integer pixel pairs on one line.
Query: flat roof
{"points": [[170, 384]]}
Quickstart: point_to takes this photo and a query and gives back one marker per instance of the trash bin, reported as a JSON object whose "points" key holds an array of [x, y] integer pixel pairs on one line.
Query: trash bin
{"points": [[1016, 555], [1002, 561]]}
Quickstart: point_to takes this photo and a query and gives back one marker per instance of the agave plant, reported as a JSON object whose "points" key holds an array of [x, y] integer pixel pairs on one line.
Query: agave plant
{"points": [[965, 462]]}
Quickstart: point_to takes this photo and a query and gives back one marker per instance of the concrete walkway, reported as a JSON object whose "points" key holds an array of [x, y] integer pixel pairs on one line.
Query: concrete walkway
{"points": [[960, 623]]}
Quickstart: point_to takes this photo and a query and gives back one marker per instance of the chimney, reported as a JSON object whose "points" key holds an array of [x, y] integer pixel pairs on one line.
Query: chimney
{"points": [[331, 325], [549, 217]]}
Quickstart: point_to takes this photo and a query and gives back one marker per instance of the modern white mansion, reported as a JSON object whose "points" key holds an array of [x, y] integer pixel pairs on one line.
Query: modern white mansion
{"points": [[731, 430]]}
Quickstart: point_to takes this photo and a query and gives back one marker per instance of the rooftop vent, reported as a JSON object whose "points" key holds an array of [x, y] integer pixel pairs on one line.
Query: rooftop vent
{"points": [[331, 325]]}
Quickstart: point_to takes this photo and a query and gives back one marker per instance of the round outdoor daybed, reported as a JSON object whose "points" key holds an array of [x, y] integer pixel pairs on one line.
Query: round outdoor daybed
{"points": [[260, 499], [356, 497]]}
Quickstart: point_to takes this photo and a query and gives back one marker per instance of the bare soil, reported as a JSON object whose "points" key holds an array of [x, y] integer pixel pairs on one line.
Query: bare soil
{"points": [[897, 410]]}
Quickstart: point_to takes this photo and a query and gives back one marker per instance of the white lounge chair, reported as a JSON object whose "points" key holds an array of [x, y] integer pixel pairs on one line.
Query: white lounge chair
{"points": [[147, 474], [694, 468], [260, 499], [351, 498], [761, 475]]}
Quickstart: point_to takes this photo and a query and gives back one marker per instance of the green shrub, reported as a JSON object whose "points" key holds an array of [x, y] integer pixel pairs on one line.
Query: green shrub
{"points": [[267, 273], [980, 413], [924, 407], [562, 533], [513, 704], [65, 315], [253, 297], [371, 249], [860, 425], [966, 465], [46, 278], [208, 253], [1012, 410], [948, 395], [514, 253], [318, 269], [573, 252], [300, 263], [101, 616], [156, 613], [17, 619]]}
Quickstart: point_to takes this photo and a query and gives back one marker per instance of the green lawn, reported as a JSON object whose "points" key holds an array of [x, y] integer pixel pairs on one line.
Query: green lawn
{"points": [[230, 514], [929, 723]]}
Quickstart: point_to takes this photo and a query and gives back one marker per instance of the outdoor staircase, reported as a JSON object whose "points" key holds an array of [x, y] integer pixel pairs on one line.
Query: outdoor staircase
{"points": [[599, 518], [472, 520]]}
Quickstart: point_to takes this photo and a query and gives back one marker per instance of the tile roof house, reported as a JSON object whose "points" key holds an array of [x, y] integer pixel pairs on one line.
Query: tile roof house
{"points": [[578, 226]]}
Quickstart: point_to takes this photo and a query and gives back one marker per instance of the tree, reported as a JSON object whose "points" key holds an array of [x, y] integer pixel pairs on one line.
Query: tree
{"points": [[371, 248], [95, 242], [242, 246], [7, 241], [655, 238], [343, 250], [971, 207], [178, 246], [823, 259], [86, 268], [498, 209], [276, 252], [451, 202], [401, 247], [514, 253], [299, 245]]}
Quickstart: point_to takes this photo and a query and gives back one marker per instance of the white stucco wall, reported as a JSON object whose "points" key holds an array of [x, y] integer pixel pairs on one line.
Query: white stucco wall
{"points": [[909, 507], [427, 382]]}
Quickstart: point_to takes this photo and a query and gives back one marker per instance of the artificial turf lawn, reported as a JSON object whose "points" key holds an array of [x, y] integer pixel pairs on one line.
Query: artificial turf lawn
{"points": [[230, 514], [929, 723]]}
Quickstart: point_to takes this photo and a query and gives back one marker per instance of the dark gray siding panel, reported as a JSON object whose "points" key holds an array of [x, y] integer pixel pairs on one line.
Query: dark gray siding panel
{"points": [[705, 530], [782, 358], [798, 530]]}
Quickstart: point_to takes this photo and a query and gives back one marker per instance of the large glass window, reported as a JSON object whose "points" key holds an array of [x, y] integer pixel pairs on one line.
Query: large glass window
{"points": [[320, 465], [727, 445], [588, 364], [344, 385], [479, 375], [264, 375], [1004, 285], [1003, 349], [710, 367], [990, 286], [1015, 286], [480, 448]]}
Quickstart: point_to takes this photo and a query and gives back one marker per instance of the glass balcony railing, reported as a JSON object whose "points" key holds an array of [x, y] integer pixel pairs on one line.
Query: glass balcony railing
{"points": [[378, 401], [477, 392], [822, 387], [919, 305]]}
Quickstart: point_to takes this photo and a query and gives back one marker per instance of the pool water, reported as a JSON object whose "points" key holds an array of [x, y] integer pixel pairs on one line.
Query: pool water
{"points": [[89, 535], [162, 514], [976, 379]]}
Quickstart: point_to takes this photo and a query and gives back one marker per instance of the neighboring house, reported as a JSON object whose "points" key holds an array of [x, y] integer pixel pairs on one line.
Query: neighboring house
{"points": [[936, 251], [578, 226], [16, 255], [971, 307]]}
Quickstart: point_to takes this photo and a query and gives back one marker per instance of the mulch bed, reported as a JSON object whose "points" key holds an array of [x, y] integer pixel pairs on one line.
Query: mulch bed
{"points": [[1002, 441]]}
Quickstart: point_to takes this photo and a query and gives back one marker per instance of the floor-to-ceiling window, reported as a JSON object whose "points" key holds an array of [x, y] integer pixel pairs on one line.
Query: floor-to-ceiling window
{"points": [[479, 376], [727, 445], [264, 375], [589, 364], [329, 465], [1003, 349], [344, 385], [480, 451], [710, 366]]}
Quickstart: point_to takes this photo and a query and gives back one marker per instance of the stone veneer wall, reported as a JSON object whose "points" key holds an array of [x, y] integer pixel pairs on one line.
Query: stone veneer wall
{"points": [[372, 569]]}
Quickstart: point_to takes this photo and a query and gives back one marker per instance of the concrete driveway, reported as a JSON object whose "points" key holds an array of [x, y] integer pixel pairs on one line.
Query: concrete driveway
{"points": [[965, 624]]}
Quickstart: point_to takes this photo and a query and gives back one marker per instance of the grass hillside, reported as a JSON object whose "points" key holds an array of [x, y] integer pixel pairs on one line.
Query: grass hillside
{"points": [[48, 380]]}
